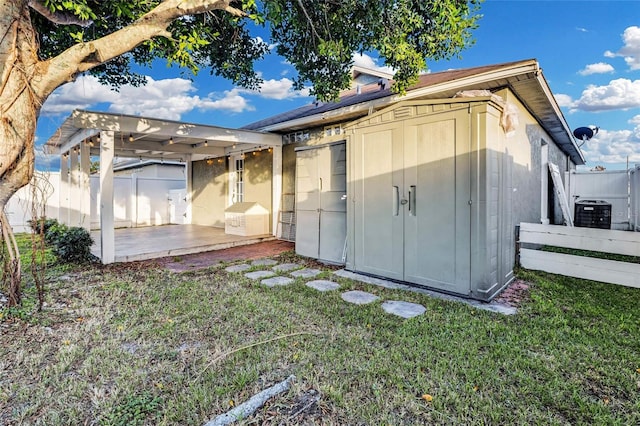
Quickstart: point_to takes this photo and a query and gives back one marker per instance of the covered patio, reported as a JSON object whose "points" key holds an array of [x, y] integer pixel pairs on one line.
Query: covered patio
{"points": [[152, 242], [106, 136]]}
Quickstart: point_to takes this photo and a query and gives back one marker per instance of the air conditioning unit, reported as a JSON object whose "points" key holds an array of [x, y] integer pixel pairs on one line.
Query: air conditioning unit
{"points": [[593, 214]]}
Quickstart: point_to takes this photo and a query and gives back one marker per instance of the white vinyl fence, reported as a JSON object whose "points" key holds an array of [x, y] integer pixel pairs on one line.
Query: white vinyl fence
{"points": [[610, 186], [46, 187], [589, 268], [138, 201], [634, 188]]}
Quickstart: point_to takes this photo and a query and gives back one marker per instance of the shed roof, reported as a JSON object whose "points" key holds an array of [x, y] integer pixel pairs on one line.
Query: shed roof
{"points": [[524, 78]]}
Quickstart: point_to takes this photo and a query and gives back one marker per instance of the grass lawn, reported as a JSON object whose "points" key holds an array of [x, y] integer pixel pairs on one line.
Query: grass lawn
{"points": [[136, 344]]}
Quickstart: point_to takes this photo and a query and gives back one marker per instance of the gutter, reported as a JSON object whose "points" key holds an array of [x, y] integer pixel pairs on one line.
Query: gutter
{"points": [[552, 100]]}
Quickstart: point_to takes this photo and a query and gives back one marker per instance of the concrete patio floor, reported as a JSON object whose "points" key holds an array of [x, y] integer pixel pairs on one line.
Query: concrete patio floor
{"points": [[152, 242]]}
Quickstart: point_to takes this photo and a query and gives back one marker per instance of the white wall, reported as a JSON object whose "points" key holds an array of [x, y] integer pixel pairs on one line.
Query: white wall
{"points": [[635, 197], [19, 207], [610, 186], [138, 201]]}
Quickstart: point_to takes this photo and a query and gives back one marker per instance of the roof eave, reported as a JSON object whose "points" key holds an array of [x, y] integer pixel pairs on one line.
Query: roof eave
{"points": [[365, 107]]}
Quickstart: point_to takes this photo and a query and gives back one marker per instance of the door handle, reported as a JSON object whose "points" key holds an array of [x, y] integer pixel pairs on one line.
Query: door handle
{"points": [[396, 200], [412, 200]]}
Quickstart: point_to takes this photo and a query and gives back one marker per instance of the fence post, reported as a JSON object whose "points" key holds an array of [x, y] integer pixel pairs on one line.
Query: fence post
{"points": [[133, 202], [517, 242]]}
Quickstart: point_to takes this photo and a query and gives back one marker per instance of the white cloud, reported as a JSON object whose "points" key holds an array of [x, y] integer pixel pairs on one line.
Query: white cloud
{"points": [[598, 68], [630, 51], [621, 93], [366, 61], [279, 89], [582, 30], [167, 98], [564, 100], [46, 161], [613, 146], [270, 46], [231, 101], [635, 120], [82, 93]]}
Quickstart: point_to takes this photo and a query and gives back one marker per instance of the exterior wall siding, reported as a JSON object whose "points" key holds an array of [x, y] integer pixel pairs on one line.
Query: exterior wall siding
{"points": [[210, 193], [258, 178], [525, 145]]}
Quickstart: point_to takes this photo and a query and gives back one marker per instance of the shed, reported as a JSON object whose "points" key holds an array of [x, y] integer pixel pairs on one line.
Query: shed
{"points": [[246, 219], [439, 178], [432, 185]]}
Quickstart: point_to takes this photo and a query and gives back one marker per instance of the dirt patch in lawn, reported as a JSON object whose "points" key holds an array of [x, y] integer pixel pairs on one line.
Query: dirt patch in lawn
{"points": [[515, 294], [192, 262]]}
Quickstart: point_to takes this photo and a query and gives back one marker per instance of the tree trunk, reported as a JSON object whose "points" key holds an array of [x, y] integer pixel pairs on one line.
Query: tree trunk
{"points": [[18, 114], [19, 107]]}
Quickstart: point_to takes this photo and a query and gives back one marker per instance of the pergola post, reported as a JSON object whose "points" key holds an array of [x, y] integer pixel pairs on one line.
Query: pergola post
{"points": [[189, 175], [107, 233], [85, 186], [74, 188], [133, 200], [63, 213], [276, 191]]}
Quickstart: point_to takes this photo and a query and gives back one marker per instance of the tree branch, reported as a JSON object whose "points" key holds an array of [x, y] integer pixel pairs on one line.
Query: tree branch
{"points": [[85, 56], [57, 17]]}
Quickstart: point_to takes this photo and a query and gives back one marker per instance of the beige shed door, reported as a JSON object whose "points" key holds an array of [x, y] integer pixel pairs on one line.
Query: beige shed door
{"points": [[321, 188], [412, 187]]}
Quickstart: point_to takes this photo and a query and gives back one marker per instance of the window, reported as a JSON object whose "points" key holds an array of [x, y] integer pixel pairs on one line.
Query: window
{"points": [[237, 180], [332, 130]]}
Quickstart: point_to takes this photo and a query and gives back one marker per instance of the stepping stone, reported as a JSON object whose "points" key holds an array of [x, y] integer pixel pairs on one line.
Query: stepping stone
{"points": [[277, 281], [286, 267], [359, 297], [305, 273], [257, 275], [323, 285], [403, 309], [238, 268], [264, 262]]}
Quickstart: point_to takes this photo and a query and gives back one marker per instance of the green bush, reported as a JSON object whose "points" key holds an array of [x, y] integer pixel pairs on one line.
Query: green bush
{"points": [[71, 245], [54, 232], [43, 225]]}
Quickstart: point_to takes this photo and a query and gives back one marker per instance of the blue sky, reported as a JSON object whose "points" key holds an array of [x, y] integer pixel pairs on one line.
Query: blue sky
{"points": [[589, 52]]}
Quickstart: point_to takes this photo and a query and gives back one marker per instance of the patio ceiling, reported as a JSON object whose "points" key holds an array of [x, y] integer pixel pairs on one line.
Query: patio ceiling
{"points": [[144, 137]]}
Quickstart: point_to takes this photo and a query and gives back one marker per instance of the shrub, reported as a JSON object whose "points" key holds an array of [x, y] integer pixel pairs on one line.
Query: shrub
{"points": [[54, 232], [71, 245], [42, 225]]}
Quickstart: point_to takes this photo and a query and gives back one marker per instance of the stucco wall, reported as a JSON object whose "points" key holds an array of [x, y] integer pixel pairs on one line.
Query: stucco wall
{"points": [[258, 178], [210, 193], [525, 145]]}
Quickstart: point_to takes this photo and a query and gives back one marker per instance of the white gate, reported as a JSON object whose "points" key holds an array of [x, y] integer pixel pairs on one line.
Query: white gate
{"points": [[177, 206]]}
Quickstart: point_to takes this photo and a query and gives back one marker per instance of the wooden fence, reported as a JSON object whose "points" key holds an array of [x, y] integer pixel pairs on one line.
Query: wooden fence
{"points": [[590, 268]]}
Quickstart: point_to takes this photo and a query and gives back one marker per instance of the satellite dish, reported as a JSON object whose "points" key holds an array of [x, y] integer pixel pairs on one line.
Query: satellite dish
{"points": [[585, 133]]}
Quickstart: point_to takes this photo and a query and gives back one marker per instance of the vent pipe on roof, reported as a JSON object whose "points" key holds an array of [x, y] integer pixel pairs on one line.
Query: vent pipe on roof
{"points": [[358, 89]]}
